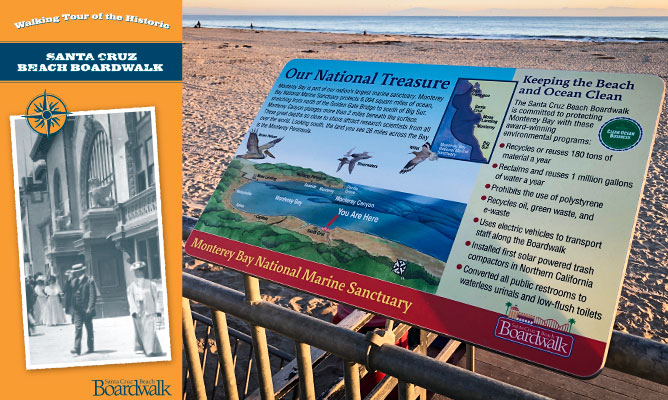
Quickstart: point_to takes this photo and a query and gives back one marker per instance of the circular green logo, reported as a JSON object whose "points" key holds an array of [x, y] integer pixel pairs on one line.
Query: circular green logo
{"points": [[620, 134]]}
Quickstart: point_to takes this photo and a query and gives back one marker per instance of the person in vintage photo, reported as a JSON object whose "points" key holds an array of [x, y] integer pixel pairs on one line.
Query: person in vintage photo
{"points": [[39, 308], [66, 288], [54, 313], [145, 308], [88, 198], [81, 303], [31, 297]]}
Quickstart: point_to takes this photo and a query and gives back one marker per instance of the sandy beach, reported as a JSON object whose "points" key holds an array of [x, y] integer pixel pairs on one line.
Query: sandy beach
{"points": [[227, 74]]}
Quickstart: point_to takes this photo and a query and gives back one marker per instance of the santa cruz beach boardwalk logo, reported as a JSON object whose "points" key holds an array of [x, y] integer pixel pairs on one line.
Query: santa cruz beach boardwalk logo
{"points": [[131, 387], [532, 332]]}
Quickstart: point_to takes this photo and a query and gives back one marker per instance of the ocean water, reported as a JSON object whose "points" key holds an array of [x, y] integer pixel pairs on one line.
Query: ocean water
{"points": [[556, 28], [425, 224]]}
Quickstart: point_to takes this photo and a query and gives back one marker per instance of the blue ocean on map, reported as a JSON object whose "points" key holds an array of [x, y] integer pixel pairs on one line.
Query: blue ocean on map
{"points": [[556, 28], [425, 224]]}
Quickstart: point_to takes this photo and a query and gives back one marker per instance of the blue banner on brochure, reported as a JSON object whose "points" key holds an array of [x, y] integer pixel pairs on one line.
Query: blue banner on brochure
{"points": [[91, 61]]}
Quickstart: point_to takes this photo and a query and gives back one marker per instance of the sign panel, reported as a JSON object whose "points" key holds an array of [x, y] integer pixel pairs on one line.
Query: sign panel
{"points": [[492, 205]]}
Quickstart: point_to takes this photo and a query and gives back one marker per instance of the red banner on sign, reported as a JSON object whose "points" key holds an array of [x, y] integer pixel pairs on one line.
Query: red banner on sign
{"points": [[514, 334]]}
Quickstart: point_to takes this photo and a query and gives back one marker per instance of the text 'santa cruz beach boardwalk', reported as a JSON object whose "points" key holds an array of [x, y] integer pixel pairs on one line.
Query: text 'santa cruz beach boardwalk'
{"points": [[492, 205]]}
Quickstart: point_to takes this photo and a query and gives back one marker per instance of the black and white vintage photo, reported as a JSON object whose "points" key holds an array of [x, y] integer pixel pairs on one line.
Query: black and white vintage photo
{"points": [[90, 240]]}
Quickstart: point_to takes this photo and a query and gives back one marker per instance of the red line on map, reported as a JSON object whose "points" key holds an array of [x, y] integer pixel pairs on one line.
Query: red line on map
{"points": [[332, 221]]}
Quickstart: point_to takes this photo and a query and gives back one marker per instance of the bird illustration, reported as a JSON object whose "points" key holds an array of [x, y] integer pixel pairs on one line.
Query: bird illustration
{"points": [[342, 161], [355, 158], [349, 152], [253, 151], [423, 154]]}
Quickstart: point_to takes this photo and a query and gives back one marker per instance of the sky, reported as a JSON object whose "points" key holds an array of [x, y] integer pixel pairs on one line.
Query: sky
{"points": [[384, 7]]}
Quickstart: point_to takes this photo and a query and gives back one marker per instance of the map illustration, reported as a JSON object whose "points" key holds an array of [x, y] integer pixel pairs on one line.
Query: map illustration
{"points": [[473, 119], [397, 237]]}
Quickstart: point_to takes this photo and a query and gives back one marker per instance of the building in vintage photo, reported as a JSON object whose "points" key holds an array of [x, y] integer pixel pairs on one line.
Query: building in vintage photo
{"points": [[35, 215], [91, 198]]}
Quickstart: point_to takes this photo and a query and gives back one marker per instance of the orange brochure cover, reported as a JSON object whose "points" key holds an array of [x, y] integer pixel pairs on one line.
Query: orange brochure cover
{"points": [[91, 123]]}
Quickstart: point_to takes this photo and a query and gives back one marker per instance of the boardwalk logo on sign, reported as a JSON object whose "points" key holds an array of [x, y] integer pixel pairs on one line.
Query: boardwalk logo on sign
{"points": [[516, 314], [534, 336]]}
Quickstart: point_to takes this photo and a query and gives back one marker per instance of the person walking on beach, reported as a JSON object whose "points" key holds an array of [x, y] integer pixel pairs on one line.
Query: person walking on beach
{"points": [[251, 26], [81, 305], [53, 313], [145, 308]]}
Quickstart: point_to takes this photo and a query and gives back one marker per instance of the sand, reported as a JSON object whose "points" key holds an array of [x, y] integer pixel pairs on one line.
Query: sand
{"points": [[227, 74]]}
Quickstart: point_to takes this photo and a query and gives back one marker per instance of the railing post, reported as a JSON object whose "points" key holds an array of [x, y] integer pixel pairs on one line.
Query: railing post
{"points": [[421, 392], [192, 353], [406, 391], [252, 286], [306, 385], [225, 354], [470, 357], [351, 377]]}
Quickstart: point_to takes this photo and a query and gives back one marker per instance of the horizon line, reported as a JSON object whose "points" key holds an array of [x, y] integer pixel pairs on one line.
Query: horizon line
{"points": [[463, 15], [442, 12]]}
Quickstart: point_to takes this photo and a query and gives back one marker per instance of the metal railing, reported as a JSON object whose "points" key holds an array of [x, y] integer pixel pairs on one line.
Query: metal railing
{"points": [[237, 339], [410, 371]]}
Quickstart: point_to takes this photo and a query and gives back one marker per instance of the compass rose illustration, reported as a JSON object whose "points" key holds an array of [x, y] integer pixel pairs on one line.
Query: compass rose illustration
{"points": [[46, 114]]}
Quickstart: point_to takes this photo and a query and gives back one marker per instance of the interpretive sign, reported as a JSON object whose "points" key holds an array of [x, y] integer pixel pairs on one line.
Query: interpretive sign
{"points": [[493, 205]]}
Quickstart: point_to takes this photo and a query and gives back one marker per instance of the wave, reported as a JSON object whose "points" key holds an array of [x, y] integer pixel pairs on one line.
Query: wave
{"points": [[572, 38]]}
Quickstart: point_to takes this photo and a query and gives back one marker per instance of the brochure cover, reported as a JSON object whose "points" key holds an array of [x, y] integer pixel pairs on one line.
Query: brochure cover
{"points": [[92, 118]]}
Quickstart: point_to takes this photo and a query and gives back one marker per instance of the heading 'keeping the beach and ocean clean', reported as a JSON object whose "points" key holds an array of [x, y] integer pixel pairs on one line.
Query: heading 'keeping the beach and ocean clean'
{"points": [[493, 205]]}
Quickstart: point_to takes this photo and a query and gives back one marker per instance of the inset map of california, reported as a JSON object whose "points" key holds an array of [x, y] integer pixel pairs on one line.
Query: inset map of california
{"points": [[473, 119]]}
